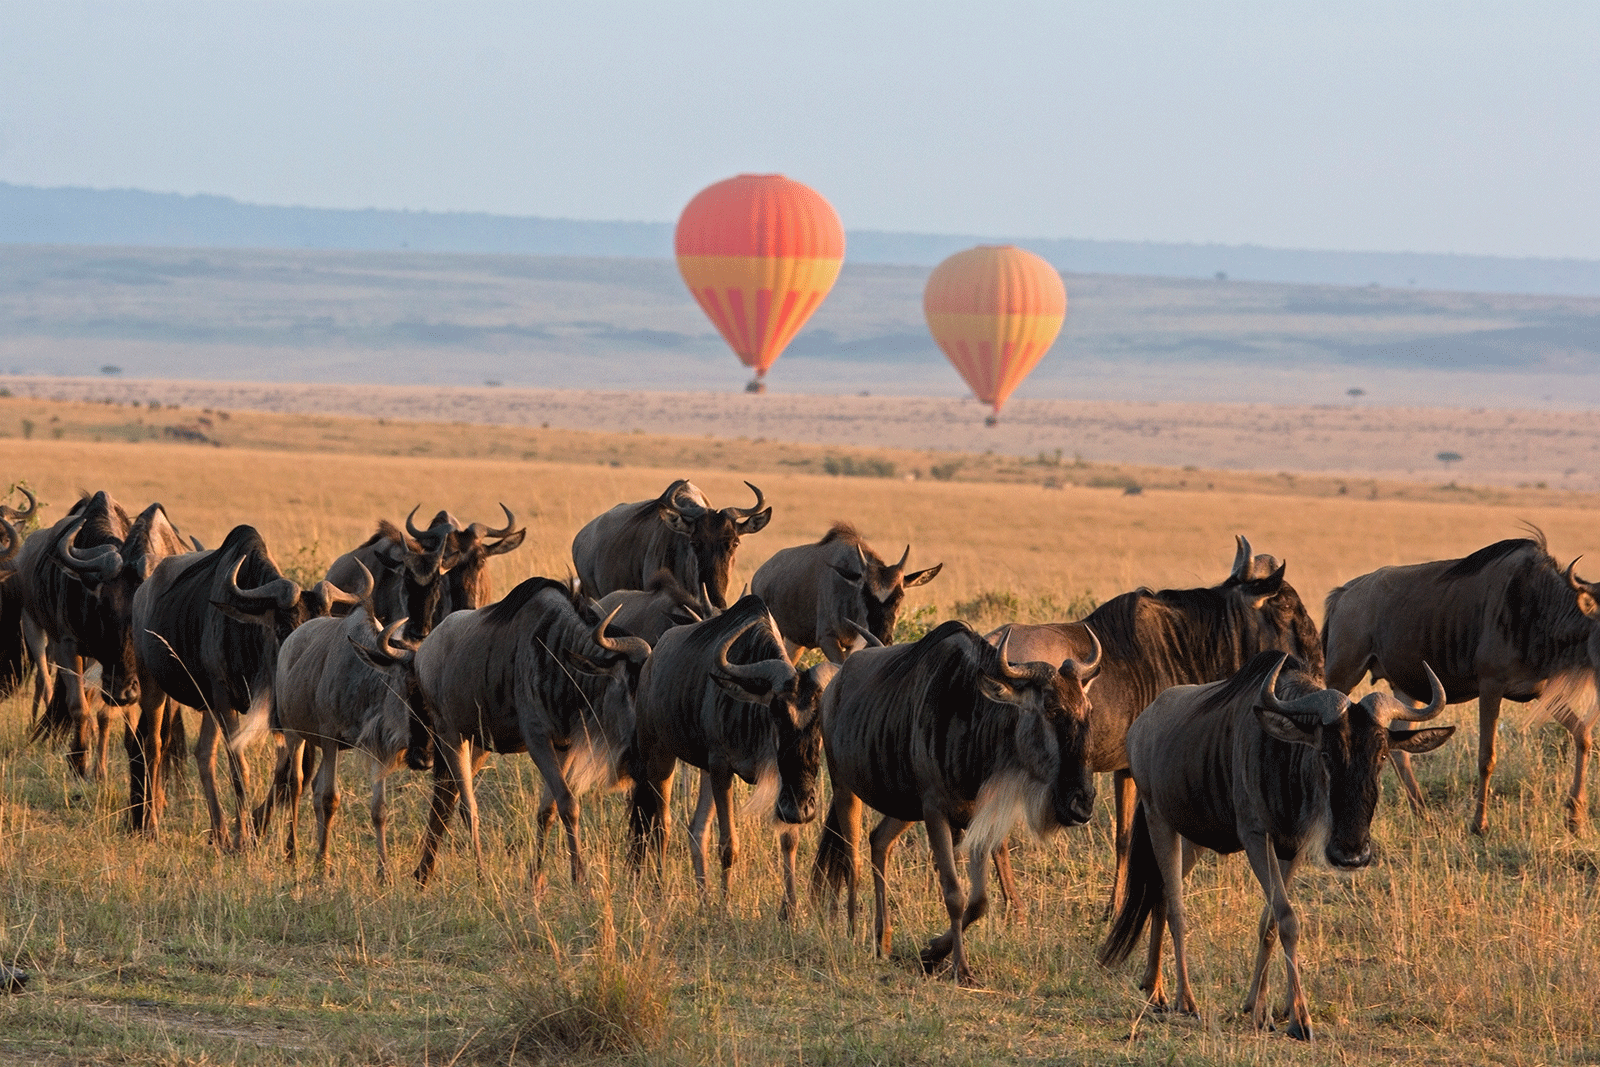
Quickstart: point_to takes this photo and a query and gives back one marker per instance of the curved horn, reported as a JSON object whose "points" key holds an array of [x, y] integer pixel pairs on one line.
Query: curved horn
{"points": [[100, 563], [1013, 673], [1578, 584], [1325, 705], [281, 591], [1086, 670], [411, 527], [482, 529], [635, 648], [33, 505], [669, 500], [761, 502], [399, 653], [13, 541], [335, 595], [748, 671], [1388, 709], [1242, 558], [864, 633]]}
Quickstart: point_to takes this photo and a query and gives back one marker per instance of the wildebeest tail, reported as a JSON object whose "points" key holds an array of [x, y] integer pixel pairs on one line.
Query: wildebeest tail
{"points": [[646, 809], [1145, 891], [833, 863]]}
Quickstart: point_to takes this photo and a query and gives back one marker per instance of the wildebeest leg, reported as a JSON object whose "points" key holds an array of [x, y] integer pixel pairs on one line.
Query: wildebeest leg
{"points": [[942, 844], [1126, 794], [1577, 803], [1008, 883], [836, 862], [239, 775], [145, 745], [68, 709], [722, 793], [1150, 982], [451, 765], [788, 848], [103, 716], [205, 758], [1168, 849], [44, 668], [699, 829], [379, 811], [881, 839], [1264, 862], [1488, 718], [541, 830], [549, 762], [293, 785], [325, 798], [1266, 941], [977, 905]]}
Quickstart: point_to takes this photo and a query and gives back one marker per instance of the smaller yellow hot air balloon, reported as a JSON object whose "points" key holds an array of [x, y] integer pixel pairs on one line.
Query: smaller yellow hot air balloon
{"points": [[995, 310]]}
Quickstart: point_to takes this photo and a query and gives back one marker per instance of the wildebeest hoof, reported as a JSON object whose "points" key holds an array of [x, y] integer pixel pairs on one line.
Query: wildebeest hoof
{"points": [[1298, 1032], [967, 980], [932, 956]]}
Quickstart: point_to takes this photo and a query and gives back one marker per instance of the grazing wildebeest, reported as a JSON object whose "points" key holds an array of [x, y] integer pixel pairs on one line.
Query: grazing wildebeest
{"points": [[722, 696], [679, 530], [537, 672], [1268, 762], [1504, 623], [820, 593], [1174, 637], [657, 608], [341, 683], [78, 580], [207, 629], [950, 731]]}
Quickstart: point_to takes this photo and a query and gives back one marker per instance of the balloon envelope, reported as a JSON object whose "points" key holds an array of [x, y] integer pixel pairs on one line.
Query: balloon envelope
{"points": [[995, 310], [759, 252]]}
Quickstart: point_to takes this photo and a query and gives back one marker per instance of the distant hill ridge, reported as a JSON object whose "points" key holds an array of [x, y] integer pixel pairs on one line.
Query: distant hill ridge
{"points": [[130, 217]]}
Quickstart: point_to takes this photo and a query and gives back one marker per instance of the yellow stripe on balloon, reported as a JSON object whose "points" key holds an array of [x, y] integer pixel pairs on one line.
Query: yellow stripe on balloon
{"points": [[758, 304], [994, 352]]}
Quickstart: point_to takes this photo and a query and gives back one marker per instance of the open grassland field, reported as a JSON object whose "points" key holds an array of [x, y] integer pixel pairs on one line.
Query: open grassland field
{"points": [[571, 322], [1449, 949]]}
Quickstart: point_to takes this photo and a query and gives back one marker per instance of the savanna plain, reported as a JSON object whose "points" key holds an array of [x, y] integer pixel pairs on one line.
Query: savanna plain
{"points": [[1450, 948]]}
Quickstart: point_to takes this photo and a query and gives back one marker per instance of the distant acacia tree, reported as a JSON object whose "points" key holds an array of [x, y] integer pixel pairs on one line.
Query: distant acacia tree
{"points": [[1448, 458], [110, 368]]}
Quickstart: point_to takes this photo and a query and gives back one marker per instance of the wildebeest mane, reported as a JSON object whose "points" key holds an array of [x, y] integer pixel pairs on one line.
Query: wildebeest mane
{"points": [[844, 533], [664, 581], [501, 613], [1296, 680], [708, 636], [1473, 564]]}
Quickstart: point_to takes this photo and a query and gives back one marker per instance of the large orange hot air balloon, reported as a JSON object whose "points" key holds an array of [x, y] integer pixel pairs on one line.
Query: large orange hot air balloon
{"points": [[995, 310], [759, 252]]}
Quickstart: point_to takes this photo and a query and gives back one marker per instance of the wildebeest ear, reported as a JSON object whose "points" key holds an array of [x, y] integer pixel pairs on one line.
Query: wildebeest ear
{"points": [[1284, 728], [255, 618], [733, 688], [507, 543], [995, 689], [675, 520], [923, 577], [1261, 590], [1424, 740], [1036, 745], [755, 523]]}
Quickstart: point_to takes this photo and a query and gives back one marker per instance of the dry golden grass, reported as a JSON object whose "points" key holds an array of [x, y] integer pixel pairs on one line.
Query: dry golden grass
{"points": [[1449, 949]]}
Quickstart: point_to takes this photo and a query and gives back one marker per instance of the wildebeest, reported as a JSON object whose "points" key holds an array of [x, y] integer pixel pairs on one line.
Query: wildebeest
{"points": [[657, 608], [13, 650], [78, 580], [1174, 637], [816, 592], [537, 672], [207, 629], [952, 732], [1504, 623], [468, 548], [1268, 762], [341, 683], [722, 696], [405, 574], [679, 530]]}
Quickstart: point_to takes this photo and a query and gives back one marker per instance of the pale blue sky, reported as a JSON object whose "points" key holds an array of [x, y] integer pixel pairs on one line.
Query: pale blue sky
{"points": [[1438, 127]]}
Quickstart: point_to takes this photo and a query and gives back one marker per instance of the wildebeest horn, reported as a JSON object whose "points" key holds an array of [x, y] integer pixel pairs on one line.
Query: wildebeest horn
{"points": [[761, 502], [670, 501], [773, 677], [101, 563], [411, 527], [332, 594], [388, 648], [1388, 709], [13, 540], [635, 648], [1086, 670], [1031, 673], [1325, 706], [482, 529], [1242, 558], [1578, 584], [281, 591], [33, 505], [903, 557], [864, 633]]}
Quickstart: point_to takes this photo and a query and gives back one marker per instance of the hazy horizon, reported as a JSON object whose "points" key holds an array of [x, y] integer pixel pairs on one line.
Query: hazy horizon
{"points": [[1429, 128]]}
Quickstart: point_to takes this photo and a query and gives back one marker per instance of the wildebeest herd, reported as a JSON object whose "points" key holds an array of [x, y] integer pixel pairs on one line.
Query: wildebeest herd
{"points": [[1222, 715]]}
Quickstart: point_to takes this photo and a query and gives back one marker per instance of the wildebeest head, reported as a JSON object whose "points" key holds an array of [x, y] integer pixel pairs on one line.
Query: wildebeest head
{"points": [[1588, 594], [713, 533], [1351, 741], [1258, 583], [10, 544], [467, 550], [1052, 731], [881, 587], [619, 658], [276, 602], [110, 569]]}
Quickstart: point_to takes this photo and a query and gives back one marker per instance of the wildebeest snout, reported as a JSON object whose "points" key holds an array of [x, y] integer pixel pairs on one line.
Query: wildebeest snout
{"points": [[1347, 860]]}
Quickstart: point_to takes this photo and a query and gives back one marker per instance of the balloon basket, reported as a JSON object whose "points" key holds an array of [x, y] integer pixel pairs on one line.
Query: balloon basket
{"points": [[756, 385], [992, 420]]}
